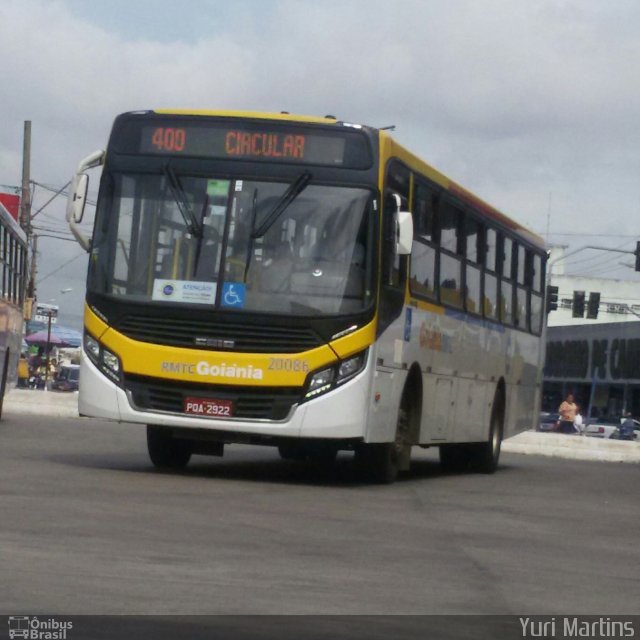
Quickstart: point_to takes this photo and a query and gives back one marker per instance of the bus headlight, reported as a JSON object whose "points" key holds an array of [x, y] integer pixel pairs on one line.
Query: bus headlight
{"points": [[320, 382], [349, 368], [111, 364], [92, 347], [105, 360], [329, 378]]}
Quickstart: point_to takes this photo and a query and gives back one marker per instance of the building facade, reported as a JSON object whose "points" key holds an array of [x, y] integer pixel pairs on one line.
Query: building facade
{"points": [[597, 359], [599, 364]]}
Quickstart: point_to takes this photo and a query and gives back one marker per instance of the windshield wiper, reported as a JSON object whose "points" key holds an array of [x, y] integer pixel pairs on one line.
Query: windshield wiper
{"points": [[294, 190], [182, 201], [254, 212]]}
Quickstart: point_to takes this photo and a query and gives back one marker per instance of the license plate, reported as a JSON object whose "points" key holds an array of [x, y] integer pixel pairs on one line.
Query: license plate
{"points": [[208, 407]]}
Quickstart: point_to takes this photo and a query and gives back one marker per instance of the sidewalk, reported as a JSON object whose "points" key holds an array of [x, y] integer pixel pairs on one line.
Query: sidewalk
{"points": [[558, 445], [40, 402], [555, 445]]}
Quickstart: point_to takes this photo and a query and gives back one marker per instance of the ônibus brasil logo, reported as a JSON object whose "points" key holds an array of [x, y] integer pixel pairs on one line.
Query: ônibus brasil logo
{"points": [[34, 628]]}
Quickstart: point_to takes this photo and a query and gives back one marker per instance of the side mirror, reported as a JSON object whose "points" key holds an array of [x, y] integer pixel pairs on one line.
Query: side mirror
{"points": [[78, 197], [404, 238]]}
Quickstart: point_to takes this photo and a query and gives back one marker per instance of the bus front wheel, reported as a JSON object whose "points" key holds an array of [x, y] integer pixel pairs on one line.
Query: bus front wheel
{"points": [[381, 462], [165, 451], [378, 462]]}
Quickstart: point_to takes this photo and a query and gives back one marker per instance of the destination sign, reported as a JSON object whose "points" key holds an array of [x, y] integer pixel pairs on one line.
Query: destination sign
{"points": [[242, 140]]}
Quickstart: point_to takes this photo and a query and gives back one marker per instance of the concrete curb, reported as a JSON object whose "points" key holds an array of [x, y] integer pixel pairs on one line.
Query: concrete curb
{"points": [[571, 447]]}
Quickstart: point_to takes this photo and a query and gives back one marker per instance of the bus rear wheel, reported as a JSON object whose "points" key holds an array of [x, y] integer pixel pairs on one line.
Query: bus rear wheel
{"points": [[486, 455], [479, 457], [165, 451]]}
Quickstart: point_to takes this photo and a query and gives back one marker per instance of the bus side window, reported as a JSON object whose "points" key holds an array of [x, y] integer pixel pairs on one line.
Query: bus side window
{"points": [[537, 287], [474, 249], [450, 259], [490, 303], [423, 254], [521, 305], [506, 282]]}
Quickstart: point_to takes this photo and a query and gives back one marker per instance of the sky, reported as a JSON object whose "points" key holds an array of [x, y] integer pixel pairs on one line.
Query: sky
{"points": [[534, 105]]}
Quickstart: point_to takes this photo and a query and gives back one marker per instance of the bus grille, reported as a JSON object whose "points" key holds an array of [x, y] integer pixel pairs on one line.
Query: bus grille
{"points": [[255, 403], [207, 334]]}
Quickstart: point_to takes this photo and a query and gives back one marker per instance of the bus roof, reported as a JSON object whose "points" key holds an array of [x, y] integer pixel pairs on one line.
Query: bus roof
{"points": [[394, 148], [459, 191], [257, 115]]}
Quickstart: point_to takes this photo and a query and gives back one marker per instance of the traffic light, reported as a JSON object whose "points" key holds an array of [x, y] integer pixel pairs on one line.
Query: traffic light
{"points": [[638, 255], [593, 305], [578, 304], [552, 298]]}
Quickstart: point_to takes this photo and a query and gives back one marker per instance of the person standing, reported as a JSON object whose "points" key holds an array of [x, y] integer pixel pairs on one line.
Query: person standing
{"points": [[567, 411], [627, 427]]}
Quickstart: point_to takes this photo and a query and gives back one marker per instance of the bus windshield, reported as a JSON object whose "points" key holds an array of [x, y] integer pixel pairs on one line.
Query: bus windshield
{"points": [[288, 247]]}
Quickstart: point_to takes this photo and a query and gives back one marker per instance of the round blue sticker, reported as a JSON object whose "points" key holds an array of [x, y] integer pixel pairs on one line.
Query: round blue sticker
{"points": [[167, 289]]}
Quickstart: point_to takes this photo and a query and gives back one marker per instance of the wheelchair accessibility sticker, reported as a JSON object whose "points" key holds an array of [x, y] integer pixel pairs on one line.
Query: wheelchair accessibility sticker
{"points": [[233, 294]]}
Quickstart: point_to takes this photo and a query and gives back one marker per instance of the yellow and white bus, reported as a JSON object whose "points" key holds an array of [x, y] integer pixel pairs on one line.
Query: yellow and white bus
{"points": [[304, 283], [13, 277]]}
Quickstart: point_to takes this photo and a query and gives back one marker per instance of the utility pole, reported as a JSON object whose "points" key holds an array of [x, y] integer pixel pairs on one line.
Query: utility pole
{"points": [[31, 286], [25, 206], [25, 200]]}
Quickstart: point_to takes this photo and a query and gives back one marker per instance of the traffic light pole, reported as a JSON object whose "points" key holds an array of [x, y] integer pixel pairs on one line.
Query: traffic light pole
{"points": [[554, 290], [590, 246]]}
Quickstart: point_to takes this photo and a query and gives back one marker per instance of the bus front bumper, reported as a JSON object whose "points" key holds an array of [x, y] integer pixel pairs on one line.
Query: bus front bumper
{"points": [[338, 414]]}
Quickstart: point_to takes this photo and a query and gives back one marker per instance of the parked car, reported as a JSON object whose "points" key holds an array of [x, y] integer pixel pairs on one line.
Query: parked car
{"points": [[609, 427], [548, 421], [68, 378]]}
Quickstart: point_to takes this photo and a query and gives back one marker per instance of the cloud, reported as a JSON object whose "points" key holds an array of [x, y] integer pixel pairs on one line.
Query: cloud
{"points": [[517, 101]]}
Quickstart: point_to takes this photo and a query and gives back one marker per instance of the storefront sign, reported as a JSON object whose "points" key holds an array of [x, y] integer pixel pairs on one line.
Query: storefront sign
{"points": [[616, 359]]}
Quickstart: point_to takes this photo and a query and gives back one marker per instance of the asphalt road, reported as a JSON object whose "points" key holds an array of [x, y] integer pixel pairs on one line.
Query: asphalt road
{"points": [[89, 527]]}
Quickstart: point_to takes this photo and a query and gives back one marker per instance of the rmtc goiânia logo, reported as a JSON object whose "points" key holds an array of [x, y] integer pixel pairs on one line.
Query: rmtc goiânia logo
{"points": [[33, 628]]}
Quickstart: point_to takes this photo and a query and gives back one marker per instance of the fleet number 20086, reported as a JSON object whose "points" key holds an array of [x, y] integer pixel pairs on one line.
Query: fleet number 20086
{"points": [[288, 364]]}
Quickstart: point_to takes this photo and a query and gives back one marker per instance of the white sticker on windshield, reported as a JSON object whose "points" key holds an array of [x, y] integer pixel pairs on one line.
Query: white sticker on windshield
{"points": [[238, 185], [184, 291]]}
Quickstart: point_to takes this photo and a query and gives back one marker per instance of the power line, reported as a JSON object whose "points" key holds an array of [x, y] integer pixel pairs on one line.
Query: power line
{"points": [[53, 197], [52, 233], [565, 257], [604, 259], [62, 266], [46, 235], [593, 235], [51, 227], [56, 191]]}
